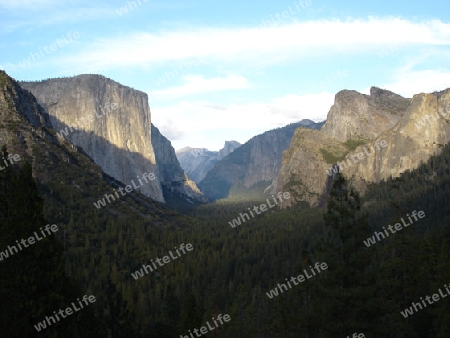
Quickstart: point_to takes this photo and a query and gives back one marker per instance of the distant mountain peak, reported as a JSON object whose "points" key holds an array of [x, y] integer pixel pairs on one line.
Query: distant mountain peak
{"points": [[250, 170], [197, 162]]}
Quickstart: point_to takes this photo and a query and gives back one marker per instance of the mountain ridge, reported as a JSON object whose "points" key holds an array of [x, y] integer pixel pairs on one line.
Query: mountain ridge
{"points": [[119, 138], [251, 167], [196, 162], [311, 155]]}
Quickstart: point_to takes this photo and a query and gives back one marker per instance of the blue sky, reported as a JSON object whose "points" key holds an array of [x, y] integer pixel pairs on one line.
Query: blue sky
{"points": [[229, 70]]}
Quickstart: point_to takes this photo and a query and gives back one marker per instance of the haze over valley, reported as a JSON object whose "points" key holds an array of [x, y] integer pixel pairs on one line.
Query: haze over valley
{"points": [[234, 169]]}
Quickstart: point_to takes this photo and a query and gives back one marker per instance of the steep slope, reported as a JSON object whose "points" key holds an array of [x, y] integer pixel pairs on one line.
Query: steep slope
{"points": [[64, 173], [393, 135], [33, 282], [250, 170], [304, 164], [227, 149], [359, 116], [110, 122], [173, 178], [198, 161], [423, 130], [102, 246]]}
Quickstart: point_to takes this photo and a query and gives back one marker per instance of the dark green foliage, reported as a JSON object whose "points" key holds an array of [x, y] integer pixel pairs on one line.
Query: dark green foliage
{"points": [[353, 144], [330, 157], [33, 283], [348, 283], [190, 316], [231, 269], [336, 154]]}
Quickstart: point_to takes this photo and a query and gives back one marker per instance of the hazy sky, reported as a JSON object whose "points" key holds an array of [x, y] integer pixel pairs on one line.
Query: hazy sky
{"points": [[228, 70]]}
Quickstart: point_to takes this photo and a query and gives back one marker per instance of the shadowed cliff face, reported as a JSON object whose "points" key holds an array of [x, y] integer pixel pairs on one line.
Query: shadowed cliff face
{"points": [[227, 149], [411, 130], [14, 98], [197, 162], [111, 123], [21, 119], [251, 170], [172, 176], [67, 178]]}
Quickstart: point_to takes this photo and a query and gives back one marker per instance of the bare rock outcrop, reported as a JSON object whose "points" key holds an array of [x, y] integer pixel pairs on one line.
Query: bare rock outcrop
{"points": [[304, 165], [197, 162], [419, 134], [171, 174], [109, 121], [227, 149], [251, 171], [359, 116], [368, 139]]}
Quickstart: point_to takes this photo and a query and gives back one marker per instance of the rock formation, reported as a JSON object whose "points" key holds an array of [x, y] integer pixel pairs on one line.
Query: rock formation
{"points": [[422, 131], [110, 122], [196, 162], [171, 175], [227, 149], [21, 118], [370, 137], [251, 169], [68, 180], [358, 116]]}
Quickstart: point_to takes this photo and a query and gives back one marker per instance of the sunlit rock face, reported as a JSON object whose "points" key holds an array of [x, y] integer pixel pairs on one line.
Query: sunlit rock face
{"points": [[251, 170], [110, 122], [374, 137]]}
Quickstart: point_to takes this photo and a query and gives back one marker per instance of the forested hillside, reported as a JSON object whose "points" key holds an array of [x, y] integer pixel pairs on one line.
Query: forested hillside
{"points": [[231, 270]]}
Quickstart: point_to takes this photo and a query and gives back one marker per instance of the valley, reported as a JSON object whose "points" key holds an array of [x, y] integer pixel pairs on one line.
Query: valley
{"points": [[212, 169]]}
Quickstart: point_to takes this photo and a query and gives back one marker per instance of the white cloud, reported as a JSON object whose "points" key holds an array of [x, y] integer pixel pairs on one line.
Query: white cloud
{"points": [[309, 106], [410, 82], [267, 45], [198, 84], [206, 125]]}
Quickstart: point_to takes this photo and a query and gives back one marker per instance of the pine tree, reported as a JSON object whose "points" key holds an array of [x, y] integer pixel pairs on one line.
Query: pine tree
{"points": [[33, 282], [118, 318], [441, 309], [190, 316], [345, 301]]}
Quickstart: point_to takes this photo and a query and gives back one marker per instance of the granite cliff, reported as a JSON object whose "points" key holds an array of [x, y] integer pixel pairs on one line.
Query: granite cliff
{"points": [[422, 131], [67, 178], [251, 170], [358, 116], [21, 119], [173, 178], [370, 137], [227, 149], [196, 162], [112, 124]]}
